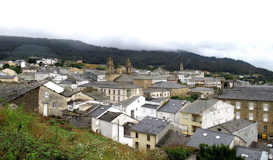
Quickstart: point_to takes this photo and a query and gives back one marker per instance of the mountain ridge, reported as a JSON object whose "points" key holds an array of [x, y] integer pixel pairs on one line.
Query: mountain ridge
{"points": [[75, 49]]}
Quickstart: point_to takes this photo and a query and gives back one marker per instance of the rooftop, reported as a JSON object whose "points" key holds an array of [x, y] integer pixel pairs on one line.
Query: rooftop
{"points": [[247, 94], [109, 116], [172, 106], [210, 138], [150, 125], [199, 106], [236, 125], [128, 101], [167, 85], [98, 111], [248, 153], [150, 106], [173, 138]]}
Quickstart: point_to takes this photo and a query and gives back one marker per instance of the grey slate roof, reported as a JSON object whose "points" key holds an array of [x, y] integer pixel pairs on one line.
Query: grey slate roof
{"points": [[130, 78], [210, 139], [167, 85], [199, 106], [253, 154], [150, 106], [201, 89], [98, 111], [96, 95], [7, 77], [11, 91], [172, 106], [173, 138], [127, 102], [67, 81], [109, 116], [238, 124], [110, 85], [150, 125], [154, 90], [159, 100], [247, 95]]}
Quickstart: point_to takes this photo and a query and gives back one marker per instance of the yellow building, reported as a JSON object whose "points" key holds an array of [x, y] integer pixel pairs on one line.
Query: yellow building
{"points": [[147, 132]]}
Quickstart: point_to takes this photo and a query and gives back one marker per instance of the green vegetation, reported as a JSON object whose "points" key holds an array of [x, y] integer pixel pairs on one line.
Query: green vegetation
{"points": [[77, 65], [101, 68], [5, 66], [191, 98], [216, 152], [30, 60], [177, 152], [31, 136], [20, 47]]}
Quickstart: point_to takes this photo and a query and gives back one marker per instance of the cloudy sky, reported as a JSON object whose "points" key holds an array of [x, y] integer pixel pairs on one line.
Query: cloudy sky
{"points": [[242, 30]]}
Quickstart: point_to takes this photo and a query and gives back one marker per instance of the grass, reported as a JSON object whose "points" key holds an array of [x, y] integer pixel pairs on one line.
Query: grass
{"points": [[86, 65], [32, 136]]}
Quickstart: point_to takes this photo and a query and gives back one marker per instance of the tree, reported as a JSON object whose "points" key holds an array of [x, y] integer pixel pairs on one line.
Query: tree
{"points": [[5, 66], [216, 152], [30, 60], [116, 65], [177, 152]]}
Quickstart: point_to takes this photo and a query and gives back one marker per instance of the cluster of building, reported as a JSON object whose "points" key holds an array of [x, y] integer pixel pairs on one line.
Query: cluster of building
{"points": [[134, 107]]}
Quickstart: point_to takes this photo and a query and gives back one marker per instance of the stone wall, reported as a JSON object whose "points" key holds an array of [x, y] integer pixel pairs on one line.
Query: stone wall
{"points": [[112, 77], [29, 99], [179, 91], [144, 83]]}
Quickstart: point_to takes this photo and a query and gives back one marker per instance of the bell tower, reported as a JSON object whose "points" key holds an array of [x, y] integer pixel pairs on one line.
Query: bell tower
{"points": [[128, 67], [181, 67], [110, 66]]}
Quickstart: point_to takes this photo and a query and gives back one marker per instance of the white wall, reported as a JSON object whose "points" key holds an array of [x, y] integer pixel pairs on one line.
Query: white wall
{"points": [[167, 116], [136, 106], [124, 119], [148, 112], [219, 113]]}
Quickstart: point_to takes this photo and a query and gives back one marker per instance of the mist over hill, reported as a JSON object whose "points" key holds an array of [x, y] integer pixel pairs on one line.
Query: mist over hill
{"points": [[22, 47]]}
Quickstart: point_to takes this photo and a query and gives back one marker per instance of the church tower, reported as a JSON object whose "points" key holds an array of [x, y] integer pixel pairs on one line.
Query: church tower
{"points": [[109, 66], [128, 67], [181, 67]]}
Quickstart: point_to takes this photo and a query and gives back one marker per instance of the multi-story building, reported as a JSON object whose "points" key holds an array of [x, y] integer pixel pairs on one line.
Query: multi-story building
{"points": [[205, 114], [253, 103]]}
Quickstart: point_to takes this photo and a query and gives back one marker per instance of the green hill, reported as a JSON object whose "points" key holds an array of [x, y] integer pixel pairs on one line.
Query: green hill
{"points": [[22, 47]]}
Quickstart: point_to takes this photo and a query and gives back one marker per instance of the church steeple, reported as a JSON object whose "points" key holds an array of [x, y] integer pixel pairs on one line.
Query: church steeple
{"points": [[110, 66], [128, 67], [181, 67]]}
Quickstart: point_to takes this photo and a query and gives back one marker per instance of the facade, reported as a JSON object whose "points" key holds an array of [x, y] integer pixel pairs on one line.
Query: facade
{"points": [[156, 93], [205, 114], [253, 103], [132, 106], [170, 110], [205, 92], [175, 89]]}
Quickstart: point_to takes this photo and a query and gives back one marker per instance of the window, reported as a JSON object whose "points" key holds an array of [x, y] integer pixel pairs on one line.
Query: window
{"points": [[219, 129], [114, 91], [237, 115], [118, 99], [109, 91], [46, 94], [104, 91], [251, 106], [265, 106], [265, 128], [238, 105], [148, 146], [148, 137], [144, 110], [113, 98], [250, 116], [185, 116], [136, 108], [118, 92], [265, 118], [54, 105], [136, 144], [136, 135]]}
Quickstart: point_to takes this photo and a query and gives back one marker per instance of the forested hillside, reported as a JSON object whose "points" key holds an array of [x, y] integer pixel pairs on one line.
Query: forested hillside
{"points": [[22, 47]]}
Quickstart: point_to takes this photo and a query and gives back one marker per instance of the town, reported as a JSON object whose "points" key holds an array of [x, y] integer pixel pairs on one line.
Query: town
{"points": [[145, 109]]}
